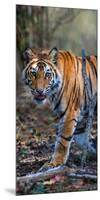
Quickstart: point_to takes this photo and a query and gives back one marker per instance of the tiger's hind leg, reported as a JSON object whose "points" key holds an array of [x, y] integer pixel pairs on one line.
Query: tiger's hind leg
{"points": [[83, 136], [91, 103], [89, 146]]}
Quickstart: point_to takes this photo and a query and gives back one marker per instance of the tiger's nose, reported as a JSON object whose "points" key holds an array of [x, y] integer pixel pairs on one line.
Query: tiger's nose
{"points": [[40, 91]]}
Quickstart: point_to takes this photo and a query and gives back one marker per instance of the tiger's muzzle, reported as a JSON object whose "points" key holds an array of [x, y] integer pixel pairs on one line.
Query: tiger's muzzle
{"points": [[39, 95]]}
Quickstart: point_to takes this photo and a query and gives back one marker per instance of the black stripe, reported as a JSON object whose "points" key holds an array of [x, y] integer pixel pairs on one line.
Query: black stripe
{"points": [[55, 73], [62, 89], [72, 120], [58, 103], [61, 144], [79, 131], [63, 55], [85, 99], [54, 86], [69, 102], [70, 55], [90, 83], [67, 138], [77, 103], [74, 92], [62, 114], [31, 64], [92, 65], [26, 73]]}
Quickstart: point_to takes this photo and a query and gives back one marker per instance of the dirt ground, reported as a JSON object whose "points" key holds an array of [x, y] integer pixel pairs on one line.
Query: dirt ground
{"points": [[35, 136]]}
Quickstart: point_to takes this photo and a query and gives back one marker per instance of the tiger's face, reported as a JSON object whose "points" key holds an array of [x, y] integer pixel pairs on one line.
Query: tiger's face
{"points": [[41, 74]]}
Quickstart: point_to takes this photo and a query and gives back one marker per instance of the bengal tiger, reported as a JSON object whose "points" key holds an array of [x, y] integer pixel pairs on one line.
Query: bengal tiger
{"points": [[56, 76]]}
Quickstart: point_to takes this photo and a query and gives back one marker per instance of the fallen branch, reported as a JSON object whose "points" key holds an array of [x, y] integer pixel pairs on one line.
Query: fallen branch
{"points": [[70, 172]]}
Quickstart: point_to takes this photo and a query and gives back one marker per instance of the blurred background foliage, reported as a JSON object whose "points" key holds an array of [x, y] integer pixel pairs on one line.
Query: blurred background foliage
{"points": [[46, 27]]}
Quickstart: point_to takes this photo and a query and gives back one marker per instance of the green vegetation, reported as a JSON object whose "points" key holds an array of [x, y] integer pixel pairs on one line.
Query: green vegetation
{"points": [[46, 27]]}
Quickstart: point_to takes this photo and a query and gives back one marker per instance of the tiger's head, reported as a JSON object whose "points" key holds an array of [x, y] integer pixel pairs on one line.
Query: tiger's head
{"points": [[41, 74]]}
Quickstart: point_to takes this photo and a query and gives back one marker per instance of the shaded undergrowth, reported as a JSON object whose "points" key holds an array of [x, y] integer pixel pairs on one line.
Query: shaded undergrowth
{"points": [[35, 136]]}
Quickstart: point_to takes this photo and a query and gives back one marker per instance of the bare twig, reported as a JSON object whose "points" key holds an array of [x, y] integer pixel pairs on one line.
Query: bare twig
{"points": [[70, 172]]}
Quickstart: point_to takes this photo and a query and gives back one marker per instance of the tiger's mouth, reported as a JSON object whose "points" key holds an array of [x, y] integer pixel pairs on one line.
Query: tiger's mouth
{"points": [[39, 97]]}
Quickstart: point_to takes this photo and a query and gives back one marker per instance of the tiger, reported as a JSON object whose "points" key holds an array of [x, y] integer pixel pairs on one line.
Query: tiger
{"points": [[55, 76]]}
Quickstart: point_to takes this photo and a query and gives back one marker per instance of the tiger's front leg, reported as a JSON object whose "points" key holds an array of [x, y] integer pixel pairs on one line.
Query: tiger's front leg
{"points": [[64, 136]]}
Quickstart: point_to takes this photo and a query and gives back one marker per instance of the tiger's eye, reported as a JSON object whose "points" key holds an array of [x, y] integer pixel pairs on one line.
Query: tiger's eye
{"points": [[33, 73], [48, 75]]}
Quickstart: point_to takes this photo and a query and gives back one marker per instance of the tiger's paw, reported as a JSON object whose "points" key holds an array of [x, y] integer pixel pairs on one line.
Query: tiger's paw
{"points": [[50, 165], [46, 166], [56, 163]]}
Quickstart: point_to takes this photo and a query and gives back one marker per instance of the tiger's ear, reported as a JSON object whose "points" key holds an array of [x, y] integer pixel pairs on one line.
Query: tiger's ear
{"points": [[28, 55], [53, 55]]}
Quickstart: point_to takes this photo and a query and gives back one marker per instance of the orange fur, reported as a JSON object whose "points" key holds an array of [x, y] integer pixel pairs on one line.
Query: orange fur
{"points": [[68, 98]]}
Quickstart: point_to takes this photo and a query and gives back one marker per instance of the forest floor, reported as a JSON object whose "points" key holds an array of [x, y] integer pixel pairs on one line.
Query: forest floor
{"points": [[35, 136]]}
